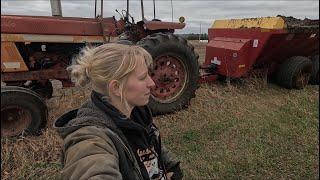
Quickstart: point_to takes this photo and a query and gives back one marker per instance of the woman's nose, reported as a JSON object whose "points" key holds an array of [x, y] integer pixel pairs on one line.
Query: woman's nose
{"points": [[150, 82]]}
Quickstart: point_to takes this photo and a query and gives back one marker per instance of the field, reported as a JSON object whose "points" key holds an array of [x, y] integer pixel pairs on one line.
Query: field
{"points": [[247, 130]]}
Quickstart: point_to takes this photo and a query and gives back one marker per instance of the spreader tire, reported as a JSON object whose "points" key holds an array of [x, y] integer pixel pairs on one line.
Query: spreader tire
{"points": [[294, 73], [22, 112], [175, 72], [314, 79]]}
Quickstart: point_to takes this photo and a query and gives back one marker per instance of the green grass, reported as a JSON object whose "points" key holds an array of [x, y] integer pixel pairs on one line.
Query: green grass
{"points": [[268, 133], [228, 132]]}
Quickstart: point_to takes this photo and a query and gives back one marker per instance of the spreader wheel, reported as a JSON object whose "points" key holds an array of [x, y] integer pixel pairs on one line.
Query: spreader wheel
{"points": [[175, 72], [294, 73], [22, 112], [314, 79]]}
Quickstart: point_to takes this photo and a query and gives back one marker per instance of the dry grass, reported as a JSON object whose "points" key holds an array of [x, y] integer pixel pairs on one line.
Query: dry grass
{"points": [[31, 157], [246, 130]]}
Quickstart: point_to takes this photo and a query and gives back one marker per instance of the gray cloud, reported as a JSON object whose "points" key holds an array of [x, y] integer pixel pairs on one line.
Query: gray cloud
{"points": [[195, 12]]}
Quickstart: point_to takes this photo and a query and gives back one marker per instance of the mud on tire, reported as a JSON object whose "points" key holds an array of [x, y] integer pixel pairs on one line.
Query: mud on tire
{"points": [[175, 72], [294, 73], [22, 112]]}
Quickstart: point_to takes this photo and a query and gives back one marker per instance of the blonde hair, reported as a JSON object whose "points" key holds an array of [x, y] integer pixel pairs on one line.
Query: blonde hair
{"points": [[112, 61]]}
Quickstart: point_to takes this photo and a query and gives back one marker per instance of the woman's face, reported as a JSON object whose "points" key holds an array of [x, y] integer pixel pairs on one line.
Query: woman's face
{"points": [[138, 87]]}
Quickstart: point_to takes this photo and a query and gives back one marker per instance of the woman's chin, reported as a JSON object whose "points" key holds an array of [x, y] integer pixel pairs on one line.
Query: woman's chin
{"points": [[142, 103], [145, 103]]}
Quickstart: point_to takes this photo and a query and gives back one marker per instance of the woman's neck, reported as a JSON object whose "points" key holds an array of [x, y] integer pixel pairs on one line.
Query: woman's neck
{"points": [[121, 107]]}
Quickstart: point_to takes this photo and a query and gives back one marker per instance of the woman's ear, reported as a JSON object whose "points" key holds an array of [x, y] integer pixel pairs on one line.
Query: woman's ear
{"points": [[114, 88]]}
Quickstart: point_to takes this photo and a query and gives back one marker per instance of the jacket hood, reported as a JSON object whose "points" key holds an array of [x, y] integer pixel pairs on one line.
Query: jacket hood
{"points": [[99, 113], [87, 115]]}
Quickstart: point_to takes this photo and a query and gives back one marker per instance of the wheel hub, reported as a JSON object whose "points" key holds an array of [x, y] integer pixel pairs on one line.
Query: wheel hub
{"points": [[14, 120], [169, 75]]}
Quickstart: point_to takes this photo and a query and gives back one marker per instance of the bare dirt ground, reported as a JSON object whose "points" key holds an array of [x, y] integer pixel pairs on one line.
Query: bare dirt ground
{"points": [[238, 131]]}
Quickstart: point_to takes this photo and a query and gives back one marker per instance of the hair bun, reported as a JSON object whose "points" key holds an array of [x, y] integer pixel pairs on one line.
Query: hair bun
{"points": [[78, 74]]}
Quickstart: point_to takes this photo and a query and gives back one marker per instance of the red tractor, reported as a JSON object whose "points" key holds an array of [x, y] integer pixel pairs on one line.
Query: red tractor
{"points": [[37, 49]]}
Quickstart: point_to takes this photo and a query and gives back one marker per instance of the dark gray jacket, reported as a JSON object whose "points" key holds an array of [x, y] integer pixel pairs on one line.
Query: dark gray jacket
{"points": [[94, 148]]}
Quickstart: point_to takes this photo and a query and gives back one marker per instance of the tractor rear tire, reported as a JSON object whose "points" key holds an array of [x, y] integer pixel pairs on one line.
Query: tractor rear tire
{"points": [[314, 79], [175, 72], [23, 112], [294, 73], [45, 90]]}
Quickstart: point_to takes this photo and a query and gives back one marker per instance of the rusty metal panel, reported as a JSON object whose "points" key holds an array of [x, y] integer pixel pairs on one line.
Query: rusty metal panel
{"points": [[228, 43], [35, 75], [12, 37], [11, 60], [52, 38], [55, 25]]}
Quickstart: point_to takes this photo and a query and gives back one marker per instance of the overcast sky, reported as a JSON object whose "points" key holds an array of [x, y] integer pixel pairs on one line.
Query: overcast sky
{"points": [[195, 12]]}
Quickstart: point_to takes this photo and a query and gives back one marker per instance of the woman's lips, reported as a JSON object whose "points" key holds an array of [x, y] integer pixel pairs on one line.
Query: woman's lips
{"points": [[148, 94]]}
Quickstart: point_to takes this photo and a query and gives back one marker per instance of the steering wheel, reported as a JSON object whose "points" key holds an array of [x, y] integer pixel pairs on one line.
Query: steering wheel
{"points": [[124, 17]]}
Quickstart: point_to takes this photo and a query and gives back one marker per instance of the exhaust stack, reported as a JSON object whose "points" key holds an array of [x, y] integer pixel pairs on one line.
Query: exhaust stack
{"points": [[56, 8]]}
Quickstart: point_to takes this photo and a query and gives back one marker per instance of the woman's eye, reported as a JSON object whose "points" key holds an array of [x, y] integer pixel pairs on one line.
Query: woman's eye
{"points": [[143, 78]]}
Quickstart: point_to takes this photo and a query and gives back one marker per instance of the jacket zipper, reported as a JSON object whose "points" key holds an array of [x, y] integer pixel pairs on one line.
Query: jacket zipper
{"points": [[130, 155]]}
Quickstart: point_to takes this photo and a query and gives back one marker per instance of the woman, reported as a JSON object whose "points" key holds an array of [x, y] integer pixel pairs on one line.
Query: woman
{"points": [[112, 135]]}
